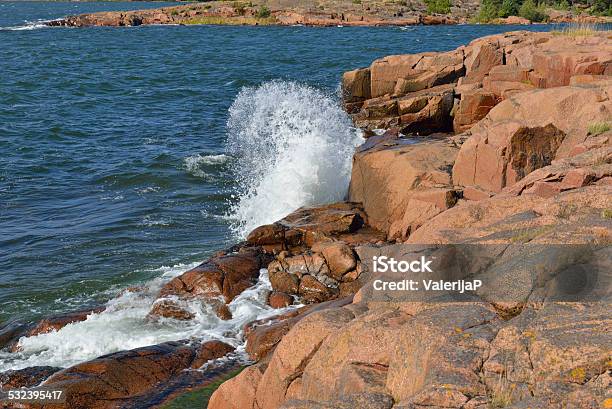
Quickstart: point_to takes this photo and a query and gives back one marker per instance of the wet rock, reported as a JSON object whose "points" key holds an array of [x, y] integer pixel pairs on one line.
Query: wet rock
{"points": [[209, 351], [111, 379], [278, 299], [57, 322], [284, 282], [307, 275], [222, 311], [313, 291], [223, 276], [11, 332], [26, 378], [170, 309]]}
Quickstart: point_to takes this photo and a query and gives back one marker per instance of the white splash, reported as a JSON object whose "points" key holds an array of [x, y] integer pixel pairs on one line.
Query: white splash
{"points": [[294, 145], [124, 325], [195, 164]]}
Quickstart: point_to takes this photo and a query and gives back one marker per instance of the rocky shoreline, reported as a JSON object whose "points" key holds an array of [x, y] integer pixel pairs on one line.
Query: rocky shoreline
{"points": [[504, 146], [322, 14]]}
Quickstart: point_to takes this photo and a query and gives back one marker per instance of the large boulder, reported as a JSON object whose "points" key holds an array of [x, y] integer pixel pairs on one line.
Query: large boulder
{"points": [[412, 91], [356, 85], [391, 177], [414, 72], [221, 277], [527, 132], [475, 105], [304, 227], [107, 381]]}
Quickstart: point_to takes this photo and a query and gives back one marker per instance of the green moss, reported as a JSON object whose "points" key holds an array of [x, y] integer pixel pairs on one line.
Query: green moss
{"points": [[198, 398]]}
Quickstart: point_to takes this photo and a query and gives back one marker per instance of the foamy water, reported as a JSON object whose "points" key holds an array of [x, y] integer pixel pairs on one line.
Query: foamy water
{"points": [[196, 164], [294, 146], [124, 325], [26, 27]]}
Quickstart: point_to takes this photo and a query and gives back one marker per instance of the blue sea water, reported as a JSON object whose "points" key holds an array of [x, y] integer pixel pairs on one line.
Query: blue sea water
{"points": [[113, 157]]}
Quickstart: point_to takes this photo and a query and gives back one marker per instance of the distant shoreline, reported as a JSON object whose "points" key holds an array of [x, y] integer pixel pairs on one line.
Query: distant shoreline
{"points": [[330, 14]]}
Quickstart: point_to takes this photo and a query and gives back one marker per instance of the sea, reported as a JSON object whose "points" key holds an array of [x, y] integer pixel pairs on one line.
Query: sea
{"points": [[129, 155]]}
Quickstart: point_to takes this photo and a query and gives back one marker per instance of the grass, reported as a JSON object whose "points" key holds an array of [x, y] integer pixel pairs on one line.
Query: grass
{"points": [[597, 128], [566, 210], [580, 30], [232, 21], [198, 398], [524, 236], [501, 396], [606, 214]]}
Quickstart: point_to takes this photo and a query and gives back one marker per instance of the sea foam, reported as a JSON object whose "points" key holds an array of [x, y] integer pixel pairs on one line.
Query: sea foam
{"points": [[124, 325], [294, 146]]}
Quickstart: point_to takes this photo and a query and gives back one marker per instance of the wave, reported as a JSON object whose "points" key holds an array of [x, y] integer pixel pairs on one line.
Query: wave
{"points": [[28, 26], [194, 164], [294, 146], [124, 325]]}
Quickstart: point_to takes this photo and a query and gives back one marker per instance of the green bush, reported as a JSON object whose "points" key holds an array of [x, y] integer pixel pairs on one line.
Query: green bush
{"points": [[438, 6], [489, 10], [509, 8], [562, 5], [602, 7], [531, 11], [263, 12]]}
